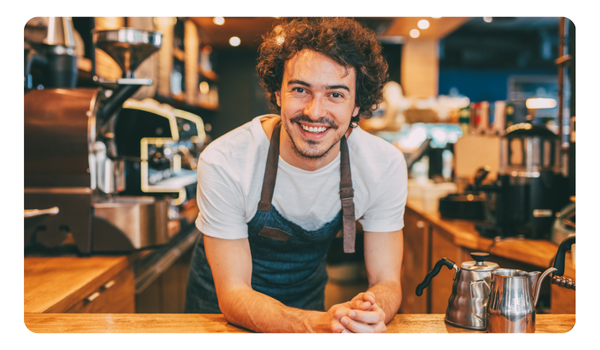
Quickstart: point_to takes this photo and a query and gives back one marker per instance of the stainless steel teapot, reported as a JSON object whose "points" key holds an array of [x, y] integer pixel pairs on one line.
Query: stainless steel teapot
{"points": [[465, 302], [513, 295]]}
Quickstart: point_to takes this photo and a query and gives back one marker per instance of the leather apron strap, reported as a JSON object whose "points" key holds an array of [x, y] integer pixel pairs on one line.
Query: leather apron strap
{"points": [[346, 190], [347, 198]]}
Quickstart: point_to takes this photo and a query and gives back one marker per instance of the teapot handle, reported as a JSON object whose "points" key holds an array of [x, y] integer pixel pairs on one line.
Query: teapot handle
{"points": [[559, 260], [472, 297], [436, 269]]}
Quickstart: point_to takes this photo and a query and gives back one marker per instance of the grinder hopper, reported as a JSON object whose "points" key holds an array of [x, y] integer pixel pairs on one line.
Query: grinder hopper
{"points": [[129, 47]]}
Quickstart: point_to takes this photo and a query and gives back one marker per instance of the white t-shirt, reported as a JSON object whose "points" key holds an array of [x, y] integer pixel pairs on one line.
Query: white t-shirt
{"points": [[231, 171]]}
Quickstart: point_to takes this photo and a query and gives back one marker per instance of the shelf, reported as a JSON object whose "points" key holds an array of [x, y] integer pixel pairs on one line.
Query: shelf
{"points": [[210, 75], [179, 54], [181, 104]]}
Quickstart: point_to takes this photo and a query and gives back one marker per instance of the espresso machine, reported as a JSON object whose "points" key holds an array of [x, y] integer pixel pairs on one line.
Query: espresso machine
{"points": [[530, 188], [103, 171]]}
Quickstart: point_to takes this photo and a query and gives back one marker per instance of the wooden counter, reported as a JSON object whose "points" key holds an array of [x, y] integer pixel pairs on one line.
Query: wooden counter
{"points": [[429, 238], [462, 233], [206, 323], [104, 283], [58, 284]]}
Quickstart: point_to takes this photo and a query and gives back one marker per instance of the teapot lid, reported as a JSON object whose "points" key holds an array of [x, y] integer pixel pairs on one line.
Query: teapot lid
{"points": [[479, 264]]}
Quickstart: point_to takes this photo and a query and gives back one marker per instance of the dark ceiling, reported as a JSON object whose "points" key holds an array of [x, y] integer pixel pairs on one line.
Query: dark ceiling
{"points": [[505, 42]]}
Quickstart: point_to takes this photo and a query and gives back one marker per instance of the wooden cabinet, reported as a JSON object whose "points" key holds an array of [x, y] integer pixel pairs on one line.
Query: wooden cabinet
{"points": [[167, 293], [74, 284], [440, 287], [114, 296], [415, 265], [562, 300], [428, 238]]}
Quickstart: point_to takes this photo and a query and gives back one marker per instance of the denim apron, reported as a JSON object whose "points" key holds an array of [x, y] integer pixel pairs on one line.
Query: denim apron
{"points": [[288, 262]]}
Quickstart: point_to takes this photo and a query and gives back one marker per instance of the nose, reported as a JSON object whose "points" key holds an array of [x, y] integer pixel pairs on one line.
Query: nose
{"points": [[315, 108]]}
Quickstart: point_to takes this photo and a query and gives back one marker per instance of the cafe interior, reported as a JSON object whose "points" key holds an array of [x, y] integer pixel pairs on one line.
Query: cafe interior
{"points": [[117, 111]]}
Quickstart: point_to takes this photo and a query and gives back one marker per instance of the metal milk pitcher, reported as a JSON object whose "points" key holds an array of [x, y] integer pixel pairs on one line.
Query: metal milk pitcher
{"points": [[512, 299]]}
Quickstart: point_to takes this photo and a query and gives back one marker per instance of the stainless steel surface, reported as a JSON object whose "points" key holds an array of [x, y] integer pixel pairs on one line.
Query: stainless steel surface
{"points": [[60, 32], [59, 190], [143, 220], [465, 304], [526, 150], [512, 300], [31, 213], [57, 133], [128, 46]]}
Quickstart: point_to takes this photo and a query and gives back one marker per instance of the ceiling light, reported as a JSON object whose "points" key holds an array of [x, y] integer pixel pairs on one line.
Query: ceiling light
{"points": [[234, 41], [487, 19], [423, 24], [414, 33], [437, 17], [219, 21]]}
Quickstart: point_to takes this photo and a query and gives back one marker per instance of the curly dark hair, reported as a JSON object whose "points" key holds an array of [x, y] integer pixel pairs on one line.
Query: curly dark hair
{"points": [[344, 40]]}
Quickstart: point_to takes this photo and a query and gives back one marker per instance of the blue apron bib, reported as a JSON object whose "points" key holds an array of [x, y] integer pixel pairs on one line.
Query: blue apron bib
{"points": [[288, 262]]}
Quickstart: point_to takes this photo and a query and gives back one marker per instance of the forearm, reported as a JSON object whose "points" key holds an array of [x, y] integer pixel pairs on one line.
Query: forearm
{"points": [[260, 313], [388, 295]]}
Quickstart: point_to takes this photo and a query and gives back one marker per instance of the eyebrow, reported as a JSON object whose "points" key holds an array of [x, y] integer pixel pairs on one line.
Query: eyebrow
{"points": [[327, 87]]}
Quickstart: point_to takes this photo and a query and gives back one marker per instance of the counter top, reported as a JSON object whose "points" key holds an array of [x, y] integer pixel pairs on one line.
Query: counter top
{"points": [[462, 233], [216, 323], [52, 284]]}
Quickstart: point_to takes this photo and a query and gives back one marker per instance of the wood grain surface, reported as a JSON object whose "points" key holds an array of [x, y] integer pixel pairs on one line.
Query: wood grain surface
{"points": [[55, 284], [462, 233], [207, 323]]}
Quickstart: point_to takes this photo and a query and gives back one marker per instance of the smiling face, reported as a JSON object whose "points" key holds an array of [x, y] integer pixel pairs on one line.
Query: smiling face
{"points": [[317, 100]]}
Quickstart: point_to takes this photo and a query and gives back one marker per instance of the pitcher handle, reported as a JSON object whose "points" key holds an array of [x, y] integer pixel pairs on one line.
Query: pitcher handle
{"points": [[472, 296]]}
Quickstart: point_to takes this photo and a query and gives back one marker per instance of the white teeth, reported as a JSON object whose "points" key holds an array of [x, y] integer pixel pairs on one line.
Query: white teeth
{"points": [[313, 130]]}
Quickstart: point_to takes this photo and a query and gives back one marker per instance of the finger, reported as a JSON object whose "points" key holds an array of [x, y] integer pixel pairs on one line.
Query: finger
{"points": [[369, 296], [372, 317], [337, 327], [362, 305], [359, 327]]}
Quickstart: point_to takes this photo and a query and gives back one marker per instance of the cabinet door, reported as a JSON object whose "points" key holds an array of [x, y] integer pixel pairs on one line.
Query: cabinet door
{"points": [[440, 287], [562, 299], [415, 264], [115, 296]]}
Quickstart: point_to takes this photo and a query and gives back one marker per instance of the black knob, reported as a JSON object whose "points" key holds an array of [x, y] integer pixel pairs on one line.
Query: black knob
{"points": [[480, 257]]}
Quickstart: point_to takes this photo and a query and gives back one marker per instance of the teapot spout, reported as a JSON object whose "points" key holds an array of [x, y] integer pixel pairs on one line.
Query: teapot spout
{"points": [[535, 281]]}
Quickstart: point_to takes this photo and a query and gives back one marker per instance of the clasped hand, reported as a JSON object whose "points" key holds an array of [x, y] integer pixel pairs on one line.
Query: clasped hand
{"points": [[359, 315]]}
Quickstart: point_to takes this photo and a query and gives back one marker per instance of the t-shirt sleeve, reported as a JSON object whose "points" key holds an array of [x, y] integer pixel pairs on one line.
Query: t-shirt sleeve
{"points": [[220, 203], [386, 213]]}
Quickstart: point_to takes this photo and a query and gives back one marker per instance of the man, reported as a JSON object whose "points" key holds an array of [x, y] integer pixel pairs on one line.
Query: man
{"points": [[274, 192]]}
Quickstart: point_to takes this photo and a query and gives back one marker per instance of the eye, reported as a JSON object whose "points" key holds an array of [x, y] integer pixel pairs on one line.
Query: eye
{"points": [[337, 95], [298, 89]]}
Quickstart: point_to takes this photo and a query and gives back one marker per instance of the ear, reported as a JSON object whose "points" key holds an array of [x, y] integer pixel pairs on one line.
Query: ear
{"points": [[355, 112], [278, 97]]}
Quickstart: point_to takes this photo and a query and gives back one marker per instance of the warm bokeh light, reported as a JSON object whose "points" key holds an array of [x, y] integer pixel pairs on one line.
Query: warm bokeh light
{"points": [[423, 24], [415, 33], [204, 88], [234, 41], [219, 21], [540, 103], [487, 19]]}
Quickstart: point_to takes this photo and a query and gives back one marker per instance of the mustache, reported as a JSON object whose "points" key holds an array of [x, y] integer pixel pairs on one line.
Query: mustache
{"points": [[322, 120]]}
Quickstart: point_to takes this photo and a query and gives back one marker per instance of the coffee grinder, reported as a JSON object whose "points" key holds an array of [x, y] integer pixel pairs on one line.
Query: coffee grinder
{"points": [[530, 188]]}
